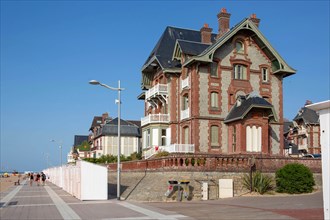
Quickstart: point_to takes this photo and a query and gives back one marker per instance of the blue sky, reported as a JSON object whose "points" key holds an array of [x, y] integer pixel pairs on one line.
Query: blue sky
{"points": [[51, 49]]}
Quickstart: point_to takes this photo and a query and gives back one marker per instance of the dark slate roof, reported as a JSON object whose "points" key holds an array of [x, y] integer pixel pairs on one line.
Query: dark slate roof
{"points": [[163, 50], [97, 120], [137, 123], [308, 115], [78, 139], [288, 145], [126, 129], [238, 111], [192, 48], [286, 126]]}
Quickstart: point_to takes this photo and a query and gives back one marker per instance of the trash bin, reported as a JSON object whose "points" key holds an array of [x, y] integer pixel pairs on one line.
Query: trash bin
{"points": [[184, 188], [170, 188]]}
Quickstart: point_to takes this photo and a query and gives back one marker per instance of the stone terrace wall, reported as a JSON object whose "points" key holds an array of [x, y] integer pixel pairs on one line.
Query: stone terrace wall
{"points": [[147, 180], [151, 186]]}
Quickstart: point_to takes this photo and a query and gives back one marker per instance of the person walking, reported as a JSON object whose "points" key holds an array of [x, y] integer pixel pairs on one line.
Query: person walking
{"points": [[38, 179], [43, 178], [31, 178]]}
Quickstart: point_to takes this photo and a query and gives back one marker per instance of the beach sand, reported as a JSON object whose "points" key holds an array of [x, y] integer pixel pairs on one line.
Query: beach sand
{"points": [[7, 182]]}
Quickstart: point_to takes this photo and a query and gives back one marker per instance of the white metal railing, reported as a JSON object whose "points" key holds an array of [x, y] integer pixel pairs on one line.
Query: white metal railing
{"points": [[150, 152], [155, 118], [173, 148], [185, 83], [179, 148], [159, 89], [184, 114]]}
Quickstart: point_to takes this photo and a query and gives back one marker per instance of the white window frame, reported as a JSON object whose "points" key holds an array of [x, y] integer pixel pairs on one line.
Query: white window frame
{"points": [[215, 136], [240, 72], [264, 75], [214, 100], [253, 138], [185, 102]]}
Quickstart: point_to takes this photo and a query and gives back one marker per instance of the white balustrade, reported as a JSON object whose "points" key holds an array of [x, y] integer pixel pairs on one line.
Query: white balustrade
{"points": [[159, 89], [173, 148], [155, 118], [179, 148]]}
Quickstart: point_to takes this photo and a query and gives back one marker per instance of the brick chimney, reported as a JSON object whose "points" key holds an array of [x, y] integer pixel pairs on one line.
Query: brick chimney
{"points": [[104, 117], [308, 102], [206, 33], [255, 20], [223, 20]]}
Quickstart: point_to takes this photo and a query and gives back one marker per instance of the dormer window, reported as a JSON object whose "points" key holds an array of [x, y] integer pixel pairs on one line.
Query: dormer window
{"points": [[240, 72], [239, 47]]}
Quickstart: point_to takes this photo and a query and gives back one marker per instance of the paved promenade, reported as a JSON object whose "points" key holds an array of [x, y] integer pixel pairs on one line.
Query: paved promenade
{"points": [[51, 202]]}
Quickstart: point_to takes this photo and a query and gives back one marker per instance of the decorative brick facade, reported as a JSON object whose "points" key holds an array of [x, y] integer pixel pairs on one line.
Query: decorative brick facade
{"points": [[210, 79]]}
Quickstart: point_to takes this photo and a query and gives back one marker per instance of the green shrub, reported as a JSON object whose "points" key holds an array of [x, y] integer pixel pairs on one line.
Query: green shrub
{"points": [[260, 183], [294, 178], [136, 156], [162, 154]]}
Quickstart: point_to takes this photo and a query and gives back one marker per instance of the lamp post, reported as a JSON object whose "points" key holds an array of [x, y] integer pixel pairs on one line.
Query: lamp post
{"points": [[47, 159], [60, 146], [94, 82]]}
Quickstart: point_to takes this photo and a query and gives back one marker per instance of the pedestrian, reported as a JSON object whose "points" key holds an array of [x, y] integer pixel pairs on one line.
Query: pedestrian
{"points": [[31, 178], [38, 178], [43, 178]]}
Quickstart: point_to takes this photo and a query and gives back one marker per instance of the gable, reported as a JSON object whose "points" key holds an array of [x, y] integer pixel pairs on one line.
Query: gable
{"points": [[279, 66]]}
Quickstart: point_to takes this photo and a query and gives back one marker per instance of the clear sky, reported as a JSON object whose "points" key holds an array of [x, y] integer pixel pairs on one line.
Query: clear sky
{"points": [[51, 49]]}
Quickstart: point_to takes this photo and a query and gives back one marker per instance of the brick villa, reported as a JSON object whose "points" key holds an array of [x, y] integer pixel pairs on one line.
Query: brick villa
{"points": [[216, 93]]}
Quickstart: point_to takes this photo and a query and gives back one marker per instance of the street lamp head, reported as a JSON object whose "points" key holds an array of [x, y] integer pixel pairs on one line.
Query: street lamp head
{"points": [[94, 82]]}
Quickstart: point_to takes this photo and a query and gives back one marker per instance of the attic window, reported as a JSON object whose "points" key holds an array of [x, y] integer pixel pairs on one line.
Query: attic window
{"points": [[239, 47], [264, 72]]}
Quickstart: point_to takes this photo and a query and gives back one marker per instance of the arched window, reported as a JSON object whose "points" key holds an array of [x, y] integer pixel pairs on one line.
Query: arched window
{"points": [[215, 136], [185, 102], [214, 100], [239, 47], [253, 139]]}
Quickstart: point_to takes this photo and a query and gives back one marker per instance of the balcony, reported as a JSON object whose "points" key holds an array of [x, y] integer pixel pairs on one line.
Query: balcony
{"points": [[185, 114], [302, 132], [157, 90], [155, 118], [185, 83]]}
